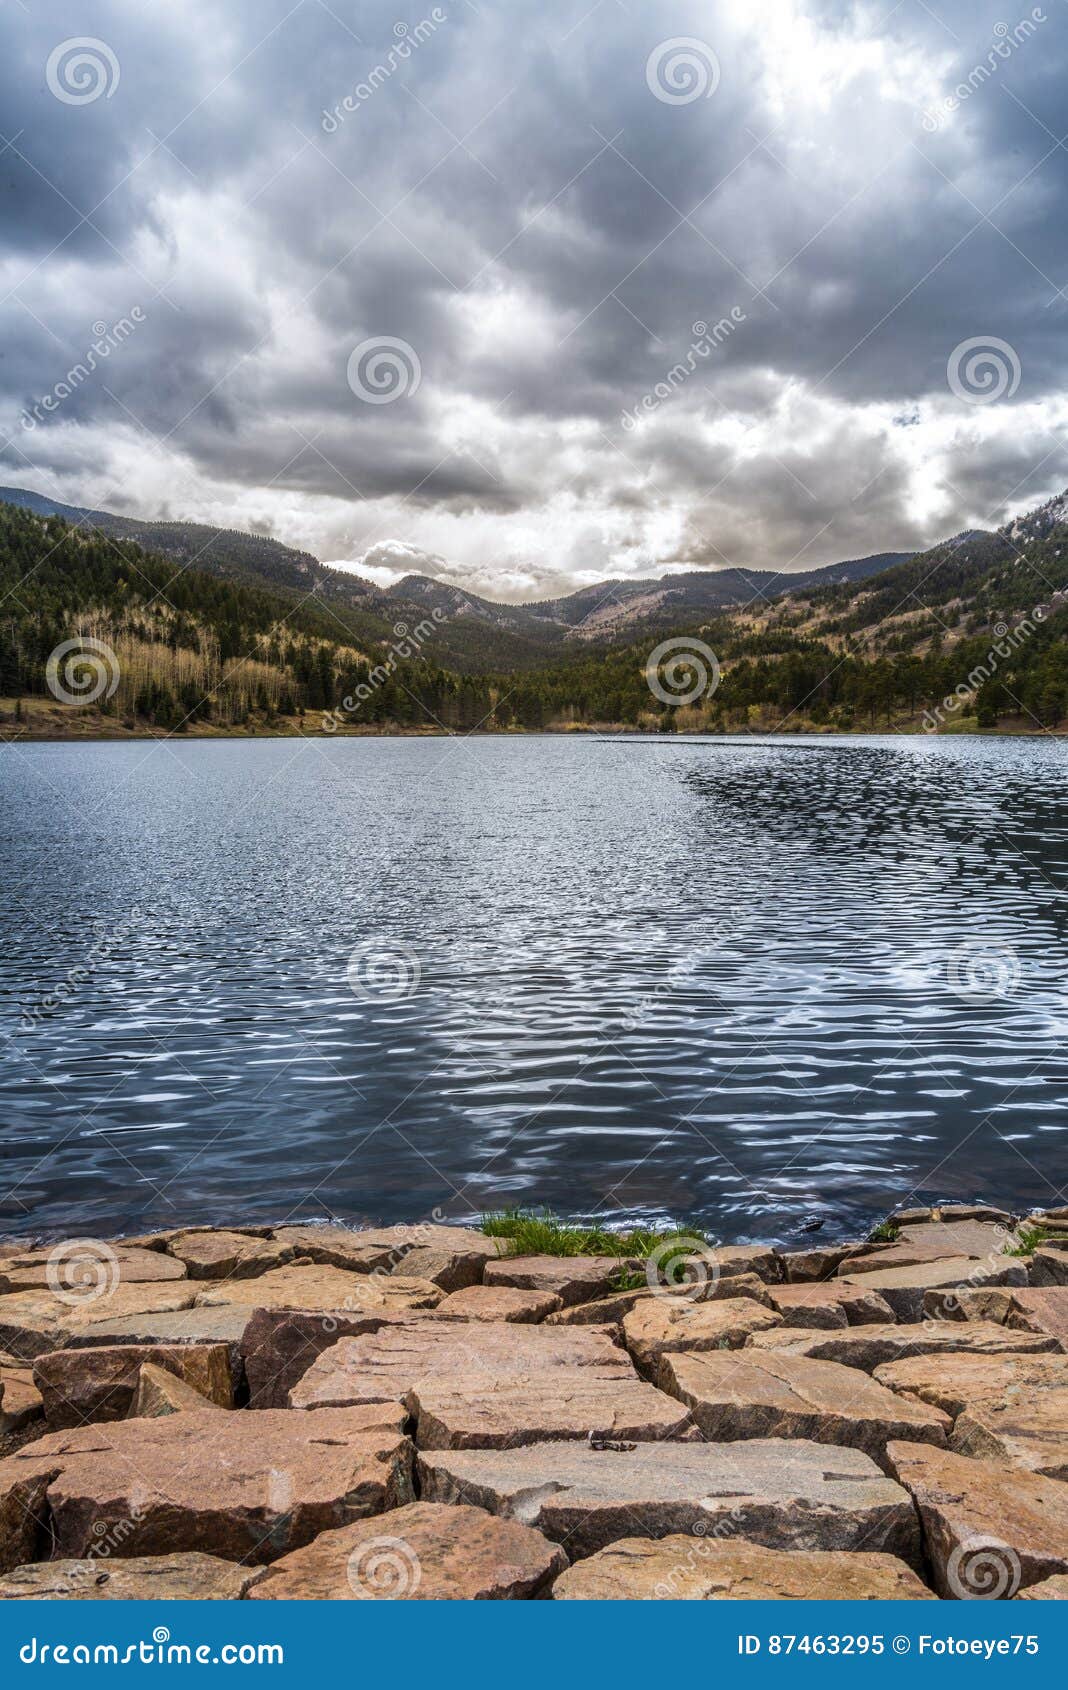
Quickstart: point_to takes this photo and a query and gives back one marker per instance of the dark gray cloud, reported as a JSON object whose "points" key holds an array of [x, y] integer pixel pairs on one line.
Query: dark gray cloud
{"points": [[500, 190]]}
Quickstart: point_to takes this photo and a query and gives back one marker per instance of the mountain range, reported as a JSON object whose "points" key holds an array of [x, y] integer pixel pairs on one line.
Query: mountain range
{"points": [[476, 634]]}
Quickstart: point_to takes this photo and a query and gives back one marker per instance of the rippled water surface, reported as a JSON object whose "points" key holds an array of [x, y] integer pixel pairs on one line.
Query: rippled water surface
{"points": [[733, 984]]}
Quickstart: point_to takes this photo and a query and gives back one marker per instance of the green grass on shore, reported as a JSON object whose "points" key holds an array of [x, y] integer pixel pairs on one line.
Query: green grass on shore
{"points": [[1028, 1238], [541, 1233]]}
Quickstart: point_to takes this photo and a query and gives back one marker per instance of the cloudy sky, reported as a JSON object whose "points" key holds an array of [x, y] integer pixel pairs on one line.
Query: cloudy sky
{"points": [[404, 287]]}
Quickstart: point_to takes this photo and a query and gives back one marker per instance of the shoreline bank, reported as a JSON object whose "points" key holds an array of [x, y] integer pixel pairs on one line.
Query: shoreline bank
{"points": [[253, 1412]]}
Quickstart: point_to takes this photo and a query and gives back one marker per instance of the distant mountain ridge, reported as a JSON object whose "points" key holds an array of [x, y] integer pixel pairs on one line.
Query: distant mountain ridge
{"points": [[479, 633]]}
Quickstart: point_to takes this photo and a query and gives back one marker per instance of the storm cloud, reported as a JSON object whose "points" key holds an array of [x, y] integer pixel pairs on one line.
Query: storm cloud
{"points": [[529, 294]]}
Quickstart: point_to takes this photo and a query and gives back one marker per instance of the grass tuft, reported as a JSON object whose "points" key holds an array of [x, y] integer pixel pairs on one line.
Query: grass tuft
{"points": [[887, 1232], [541, 1233], [1028, 1238]]}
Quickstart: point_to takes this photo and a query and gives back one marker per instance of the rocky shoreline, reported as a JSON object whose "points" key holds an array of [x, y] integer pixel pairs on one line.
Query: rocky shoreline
{"points": [[413, 1412]]}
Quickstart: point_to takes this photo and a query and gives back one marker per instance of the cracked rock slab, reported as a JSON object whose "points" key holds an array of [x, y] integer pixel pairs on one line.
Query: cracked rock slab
{"points": [[32, 1322], [243, 1486], [423, 1552], [574, 1279], [782, 1494], [868, 1347], [325, 1288], [97, 1384], [904, 1287], [500, 1302], [835, 1303], [149, 1578], [227, 1255], [988, 1528], [64, 1269], [473, 1384], [712, 1570], [664, 1324], [763, 1395]]}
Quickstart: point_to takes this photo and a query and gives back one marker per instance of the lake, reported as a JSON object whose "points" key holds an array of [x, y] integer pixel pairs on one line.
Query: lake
{"points": [[735, 985]]}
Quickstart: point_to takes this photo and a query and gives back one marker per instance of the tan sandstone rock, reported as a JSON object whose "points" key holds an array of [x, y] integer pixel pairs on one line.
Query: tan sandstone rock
{"points": [[68, 1269], [988, 1528], [228, 1255], [279, 1345], [1047, 1590], [423, 1552], [711, 1570], [243, 1486], [499, 1302], [835, 1302], [159, 1393], [32, 1322], [1049, 1266], [665, 1323], [868, 1347], [1028, 1308], [326, 1288], [801, 1267], [20, 1400], [150, 1578], [494, 1384], [782, 1494], [574, 1279], [759, 1394], [904, 1287], [81, 1385]]}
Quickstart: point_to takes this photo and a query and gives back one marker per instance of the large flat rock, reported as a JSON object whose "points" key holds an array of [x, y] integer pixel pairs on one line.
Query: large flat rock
{"points": [[20, 1400], [81, 1385], [970, 1236], [500, 1302], [424, 1552], [956, 1382], [759, 1394], [85, 1273], [1049, 1266], [574, 1279], [228, 1255], [492, 1384], [32, 1322], [326, 1288], [989, 1529], [226, 1325], [782, 1494], [1030, 1308], [663, 1324], [279, 1345], [883, 1257], [820, 1261], [1047, 1590], [904, 1287], [149, 1578], [159, 1393], [836, 1302], [683, 1569], [336, 1246], [244, 1486], [868, 1347]]}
